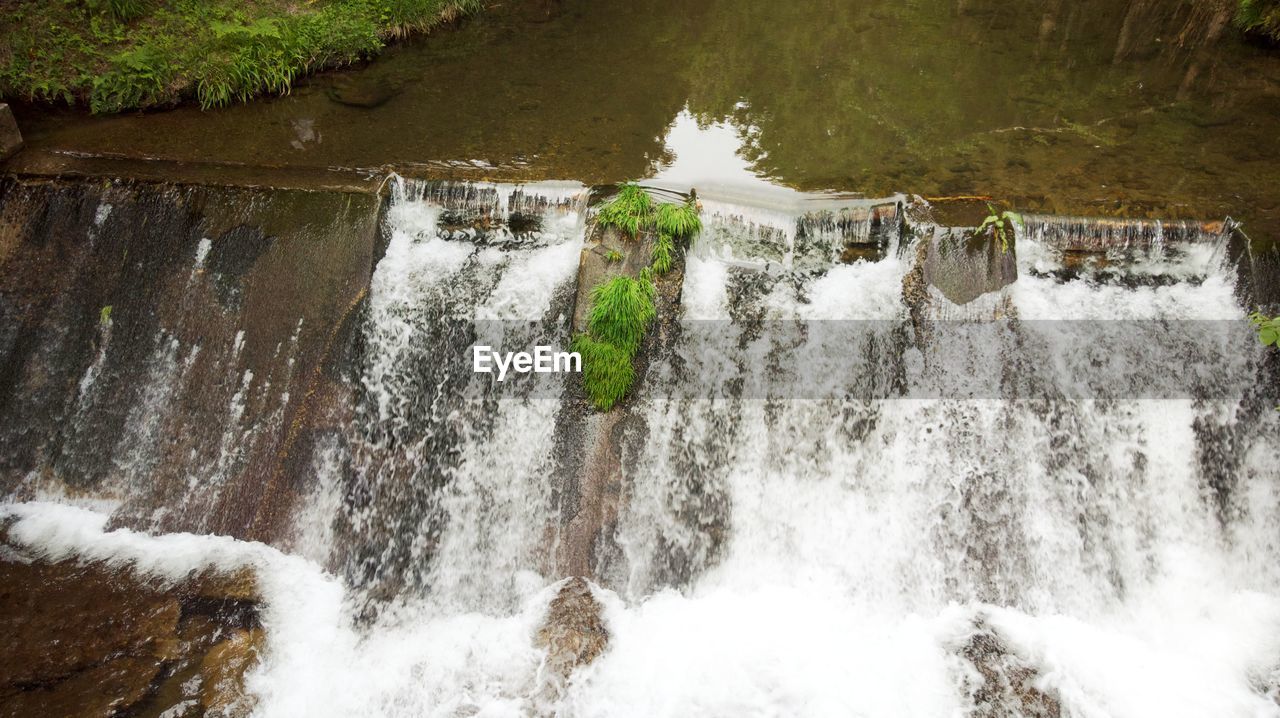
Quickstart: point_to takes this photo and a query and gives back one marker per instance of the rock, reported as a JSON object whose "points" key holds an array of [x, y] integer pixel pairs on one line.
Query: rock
{"points": [[88, 611], [573, 633], [222, 673], [1008, 687], [964, 267], [10, 138], [915, 294], [95, 692], [98, 639], [238, 585]]}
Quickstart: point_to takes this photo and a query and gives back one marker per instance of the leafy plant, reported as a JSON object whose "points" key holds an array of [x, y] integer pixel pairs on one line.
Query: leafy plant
{"points": [[678, 220], [137, 77], [122, 10], [621, 309], [1268, 328], [630, 210], [1000, 224], [663, 250], [613, 255], [607, 373], [1260, 16]]}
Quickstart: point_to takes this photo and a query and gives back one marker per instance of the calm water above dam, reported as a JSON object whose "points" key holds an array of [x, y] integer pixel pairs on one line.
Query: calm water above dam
{"points": [[1098, 107]]}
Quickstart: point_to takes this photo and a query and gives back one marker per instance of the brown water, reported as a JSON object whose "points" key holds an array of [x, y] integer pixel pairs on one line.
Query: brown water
{"points": [[1100, 107]]}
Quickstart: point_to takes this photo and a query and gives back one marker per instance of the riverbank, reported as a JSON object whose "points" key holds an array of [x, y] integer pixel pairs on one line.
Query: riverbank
{"points": [[116, 55]]}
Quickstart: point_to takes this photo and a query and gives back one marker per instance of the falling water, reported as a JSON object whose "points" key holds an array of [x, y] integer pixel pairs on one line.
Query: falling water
{"points": [[828, 497], [441, 480]]}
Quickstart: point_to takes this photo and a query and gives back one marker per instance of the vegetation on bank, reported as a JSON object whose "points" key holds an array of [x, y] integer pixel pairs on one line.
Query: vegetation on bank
{"points": [[116, 55], [622, 307], [1260, 16]]}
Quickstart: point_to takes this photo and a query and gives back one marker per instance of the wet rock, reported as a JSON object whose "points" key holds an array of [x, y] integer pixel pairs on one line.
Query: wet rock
{"points": [[233, 295], [1007, 688], [96, 639], [915, 294], [100, 690], [10, 138], [965, 267], [573, 633], [222, 673]]}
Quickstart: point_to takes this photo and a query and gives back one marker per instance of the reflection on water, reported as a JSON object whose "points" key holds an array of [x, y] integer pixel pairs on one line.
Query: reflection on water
{"points": [[1144, 107]]}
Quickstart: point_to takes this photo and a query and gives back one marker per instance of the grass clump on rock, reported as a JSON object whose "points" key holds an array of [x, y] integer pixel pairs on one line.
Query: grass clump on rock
{"points": [[621, 310], [678, 220], [663, 249], [607, 373], [116, 55], [623, 307], [631, 210]]}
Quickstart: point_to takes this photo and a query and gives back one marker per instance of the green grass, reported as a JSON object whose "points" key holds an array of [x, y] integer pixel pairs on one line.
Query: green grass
{"points": [[116, 55], [631, 210], [678, 220], [663, 250], [1260, 16], [621, 309], [607, 373]]}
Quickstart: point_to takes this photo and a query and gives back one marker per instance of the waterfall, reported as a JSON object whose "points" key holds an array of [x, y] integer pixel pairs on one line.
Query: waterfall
{"points": [[833, 502], [440, 480]]}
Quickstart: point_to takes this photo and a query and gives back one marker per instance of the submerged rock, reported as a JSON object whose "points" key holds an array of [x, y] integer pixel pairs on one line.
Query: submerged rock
{"points": [[358, 91], [97, 639], [222, 672]]}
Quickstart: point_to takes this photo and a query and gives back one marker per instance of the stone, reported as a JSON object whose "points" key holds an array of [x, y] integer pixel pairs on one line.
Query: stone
{"points": [[238, 585], [100, 639], [573, 632], [1008, 684], [222, 673], [965, 267], [356, 91], [10, 138], [96, 692]]}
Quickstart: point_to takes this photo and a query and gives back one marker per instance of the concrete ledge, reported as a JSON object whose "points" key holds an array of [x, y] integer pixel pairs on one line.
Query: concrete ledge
{"points": [[34, 162]]}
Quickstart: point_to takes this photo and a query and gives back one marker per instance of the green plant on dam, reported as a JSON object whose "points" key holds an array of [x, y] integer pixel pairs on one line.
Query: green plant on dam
{"points": [[630, 210], [999, 225]]}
